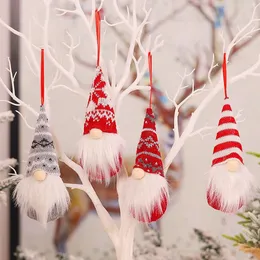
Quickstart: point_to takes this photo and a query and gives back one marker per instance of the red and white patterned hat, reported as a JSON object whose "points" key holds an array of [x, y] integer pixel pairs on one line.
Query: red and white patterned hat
{"points": [[228, 145], [148, 156], [100, 112]]}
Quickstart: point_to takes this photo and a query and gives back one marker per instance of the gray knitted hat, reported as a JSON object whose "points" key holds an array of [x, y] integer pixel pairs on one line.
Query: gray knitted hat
{"points": [[42, 154], [43, 157]]}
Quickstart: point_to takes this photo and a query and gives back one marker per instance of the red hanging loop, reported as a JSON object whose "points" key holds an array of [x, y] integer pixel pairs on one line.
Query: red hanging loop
{"points": [[42, 77], [150, 66], [97, 15], [224, 68]]}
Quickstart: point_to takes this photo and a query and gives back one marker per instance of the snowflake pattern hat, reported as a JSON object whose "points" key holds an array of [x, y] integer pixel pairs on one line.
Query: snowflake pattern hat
{"points": [[146, 192], [230, 184], [100, 148], [42, 194]]}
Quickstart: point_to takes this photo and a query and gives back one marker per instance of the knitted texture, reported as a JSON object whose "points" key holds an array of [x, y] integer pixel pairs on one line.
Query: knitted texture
{"points": [[228, 145], [100, 112], [148, 156], [147, 198], [42, 155]]}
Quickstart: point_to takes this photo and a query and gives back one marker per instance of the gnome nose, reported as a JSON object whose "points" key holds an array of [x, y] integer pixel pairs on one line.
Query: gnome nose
{"points": [[138, 173], [39, 175], [232, 165], [96, 133]]}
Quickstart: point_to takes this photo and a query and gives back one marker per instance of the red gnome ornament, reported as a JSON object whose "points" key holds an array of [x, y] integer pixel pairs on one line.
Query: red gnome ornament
{"points": [[146, 191], [100, 149], [230, 183]]}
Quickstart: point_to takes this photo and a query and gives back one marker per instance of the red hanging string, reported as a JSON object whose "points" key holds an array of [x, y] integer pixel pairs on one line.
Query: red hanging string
{"points": [[150, 65], [97, 15], [224, 68], [42, 76]]}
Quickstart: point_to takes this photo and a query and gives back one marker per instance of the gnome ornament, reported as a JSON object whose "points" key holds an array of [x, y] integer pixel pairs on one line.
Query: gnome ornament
{"points": [[42, 194], [100, 148], [146, 192], [230, 183]]}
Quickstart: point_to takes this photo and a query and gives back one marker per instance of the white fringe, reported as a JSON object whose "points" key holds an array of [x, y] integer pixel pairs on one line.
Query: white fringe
{"points": [[100, 157], [140, 197], [47, 200], [231, 188]]}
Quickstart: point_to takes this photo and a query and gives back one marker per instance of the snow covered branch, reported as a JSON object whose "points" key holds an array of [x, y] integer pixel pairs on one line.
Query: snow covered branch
{"points": [[6, 116], [5, 164]]}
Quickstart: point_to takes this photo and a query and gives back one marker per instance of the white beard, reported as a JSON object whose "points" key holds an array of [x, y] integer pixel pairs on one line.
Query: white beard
{"points": [[141, 197], [42, 200], [231, 190], [101, 158]]}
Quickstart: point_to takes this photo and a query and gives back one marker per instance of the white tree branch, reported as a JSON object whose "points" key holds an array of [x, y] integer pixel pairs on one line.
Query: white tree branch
{"points": [[242, 33]]}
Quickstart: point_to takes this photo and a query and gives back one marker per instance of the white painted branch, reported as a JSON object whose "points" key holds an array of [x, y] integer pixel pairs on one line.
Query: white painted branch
{"points": [[7, 163], [241, 33], [66, 73], [27, 43], [127, 91]]}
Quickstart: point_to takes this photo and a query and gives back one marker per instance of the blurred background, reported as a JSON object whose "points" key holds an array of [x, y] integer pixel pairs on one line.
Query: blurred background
{"points": [[191, 32]]}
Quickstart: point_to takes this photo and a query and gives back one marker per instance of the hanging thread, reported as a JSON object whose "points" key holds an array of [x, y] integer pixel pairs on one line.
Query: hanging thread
{"points": [[42, 76], [97, 15], [150, 65], [224, 68]]}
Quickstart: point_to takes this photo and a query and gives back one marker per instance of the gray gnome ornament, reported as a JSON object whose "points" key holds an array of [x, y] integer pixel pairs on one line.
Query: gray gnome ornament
{"points": [[42, 194]]}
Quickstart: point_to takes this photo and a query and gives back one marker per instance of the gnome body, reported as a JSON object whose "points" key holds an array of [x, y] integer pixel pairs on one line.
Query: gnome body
{"points": [[146, 191], [42, 193], [100, 149], [230, 183]]}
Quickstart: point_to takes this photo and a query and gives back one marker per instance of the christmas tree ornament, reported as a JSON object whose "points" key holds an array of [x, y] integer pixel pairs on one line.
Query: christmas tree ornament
{"points": [[230, 183], [42, 193], [100, 148], [146, 192]]}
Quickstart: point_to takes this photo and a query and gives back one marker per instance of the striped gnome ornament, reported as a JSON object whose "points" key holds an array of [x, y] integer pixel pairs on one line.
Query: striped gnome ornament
{"points": [[100, 148], [145, 192], [42, 194], [230, 183]]}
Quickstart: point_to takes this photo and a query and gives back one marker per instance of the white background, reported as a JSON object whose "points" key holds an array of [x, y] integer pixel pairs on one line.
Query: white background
{"points": [[191, 210]]}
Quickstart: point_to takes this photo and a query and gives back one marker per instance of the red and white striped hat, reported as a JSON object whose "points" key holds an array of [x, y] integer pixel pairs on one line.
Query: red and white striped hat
{"points": [[228, 145]]}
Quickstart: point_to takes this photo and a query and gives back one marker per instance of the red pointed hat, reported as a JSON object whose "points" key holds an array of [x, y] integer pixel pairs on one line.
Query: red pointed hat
{"points": [[228, 145], [100, 112], [148, 156]]}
